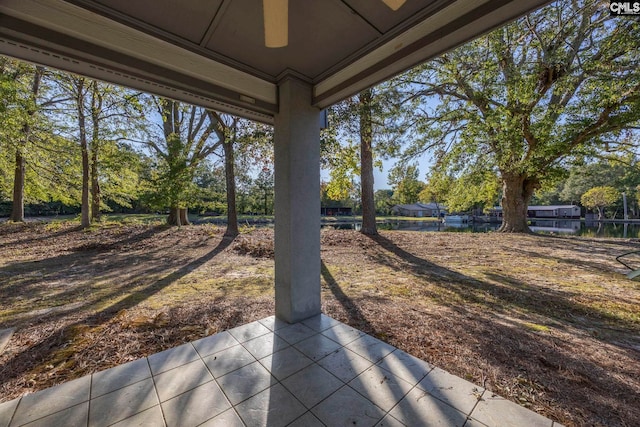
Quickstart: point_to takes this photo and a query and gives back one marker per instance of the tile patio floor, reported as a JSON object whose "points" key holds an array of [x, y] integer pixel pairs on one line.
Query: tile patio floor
{"points": [[269, 373]]}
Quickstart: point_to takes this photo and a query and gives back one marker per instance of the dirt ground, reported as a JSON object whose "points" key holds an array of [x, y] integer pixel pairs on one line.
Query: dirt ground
{"points": [[546, 321]]}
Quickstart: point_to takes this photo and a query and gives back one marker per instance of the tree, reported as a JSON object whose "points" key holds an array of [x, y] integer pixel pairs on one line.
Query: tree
{"points": [[405, 183], [523, 101], [101, 117], [186, 140], [115, 113], [17, 211], [363, 127], [264, 183], [384, 201], [30, 151], [599, 198]]}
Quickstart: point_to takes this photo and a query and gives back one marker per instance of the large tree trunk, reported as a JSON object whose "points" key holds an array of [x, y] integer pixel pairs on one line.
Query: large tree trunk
{"points": [[366, 166], [184, 216], [17, 208], [174, 216], [230, 178], [96, 109], [95, 185], [517, 191], [85, 221], [178, 216]]}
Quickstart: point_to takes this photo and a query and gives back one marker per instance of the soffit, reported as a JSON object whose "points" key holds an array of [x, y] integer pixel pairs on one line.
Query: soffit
{"points": [[212, 52]]}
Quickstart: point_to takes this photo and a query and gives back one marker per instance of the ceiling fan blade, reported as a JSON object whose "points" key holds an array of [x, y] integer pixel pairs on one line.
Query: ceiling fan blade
{"points": [[276, 22], [394, 4]]}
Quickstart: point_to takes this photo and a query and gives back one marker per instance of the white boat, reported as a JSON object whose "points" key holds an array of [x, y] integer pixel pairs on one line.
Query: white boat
{"points": [[456, 219]]}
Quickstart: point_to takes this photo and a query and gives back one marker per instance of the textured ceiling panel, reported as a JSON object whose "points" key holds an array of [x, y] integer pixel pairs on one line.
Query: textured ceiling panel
{"points": [[187, 19], [383, 18], [321, 33]]}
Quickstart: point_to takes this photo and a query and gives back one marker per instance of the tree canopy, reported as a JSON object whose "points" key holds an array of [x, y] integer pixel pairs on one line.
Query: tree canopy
{"points": [[526, 100]]}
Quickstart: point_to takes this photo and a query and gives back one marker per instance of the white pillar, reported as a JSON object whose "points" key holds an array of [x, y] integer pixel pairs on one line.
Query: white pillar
{"points": [[297, 202]]}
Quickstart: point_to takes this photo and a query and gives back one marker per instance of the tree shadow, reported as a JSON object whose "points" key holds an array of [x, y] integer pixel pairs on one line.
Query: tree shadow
{"points": [[85, 262], [500, 294], [357, 319], [8, 229], [43, 349]]}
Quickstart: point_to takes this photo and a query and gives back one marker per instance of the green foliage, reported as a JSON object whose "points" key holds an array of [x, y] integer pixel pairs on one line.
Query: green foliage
{"points": [[340, 143], [384, 201], [599, 198], [405, 183], [187, 138], [523, 101]]}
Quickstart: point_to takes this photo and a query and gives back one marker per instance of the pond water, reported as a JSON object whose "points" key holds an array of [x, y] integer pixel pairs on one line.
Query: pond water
{"points": [[569, 227]]}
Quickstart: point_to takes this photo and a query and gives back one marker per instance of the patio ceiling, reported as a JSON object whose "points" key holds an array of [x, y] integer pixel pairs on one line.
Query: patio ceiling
{"points": [[212, 53]]}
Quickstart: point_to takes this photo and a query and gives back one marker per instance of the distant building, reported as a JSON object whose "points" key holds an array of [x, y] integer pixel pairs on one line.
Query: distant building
{"points": [[422, 210], [552, 211], [336, 211]]}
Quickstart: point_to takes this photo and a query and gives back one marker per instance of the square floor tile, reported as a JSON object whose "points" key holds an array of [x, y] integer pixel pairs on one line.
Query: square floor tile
{"points": [[128, 400], [345, 364], [494, 410], [273, 407], [406, 366], [342, 333], [172, 358], [419, 408], [312, 385], [51, 400], [381, 387], [265, 345], [453, 390], [246, 382], [228, 418], [249, 331], [307, 420], [389, 421], [295, 333], [76, 416], [317, 346], [228, 360], [320, 322], [6, 411], [183, 378], [214, 343], [475, 423], [285, 362], [120, 376], [151, 417], [195, 406], [347, 408], [370, 348], [273, 323]]}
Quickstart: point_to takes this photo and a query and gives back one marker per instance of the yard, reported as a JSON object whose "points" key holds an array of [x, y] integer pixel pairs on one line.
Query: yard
{"points": [[548, 322]]}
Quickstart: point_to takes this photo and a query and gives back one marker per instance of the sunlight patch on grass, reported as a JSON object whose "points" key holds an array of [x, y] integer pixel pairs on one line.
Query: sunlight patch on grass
{"points": [[536, 327]]}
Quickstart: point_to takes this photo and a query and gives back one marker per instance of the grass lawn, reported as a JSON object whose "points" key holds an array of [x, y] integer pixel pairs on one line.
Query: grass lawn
{"points": [[548, 322]]}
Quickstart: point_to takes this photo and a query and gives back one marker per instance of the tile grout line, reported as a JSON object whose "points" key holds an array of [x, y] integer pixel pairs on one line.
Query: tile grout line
{"points": [[153, 380], [15, 411], [215, 380], [90, 397], [474, 407], [388, 413]]}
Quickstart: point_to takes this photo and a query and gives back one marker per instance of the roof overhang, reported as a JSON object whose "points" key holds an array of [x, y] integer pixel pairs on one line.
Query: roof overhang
{"points": [[219, 60]]}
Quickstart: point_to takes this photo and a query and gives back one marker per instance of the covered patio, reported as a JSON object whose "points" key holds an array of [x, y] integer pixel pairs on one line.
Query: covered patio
{"points": [[213, 53], [318, 372]]}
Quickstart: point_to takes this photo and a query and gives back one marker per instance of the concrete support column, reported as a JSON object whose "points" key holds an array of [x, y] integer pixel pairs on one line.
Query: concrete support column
{"points": [[297, 203]]}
